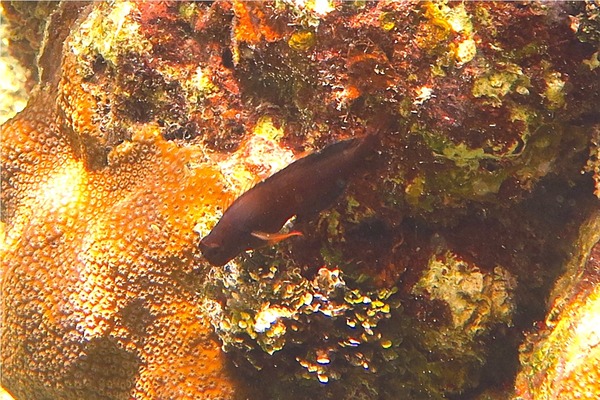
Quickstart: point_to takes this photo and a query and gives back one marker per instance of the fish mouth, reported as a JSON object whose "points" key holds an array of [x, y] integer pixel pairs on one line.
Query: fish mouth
{"points": [[213, 253]]}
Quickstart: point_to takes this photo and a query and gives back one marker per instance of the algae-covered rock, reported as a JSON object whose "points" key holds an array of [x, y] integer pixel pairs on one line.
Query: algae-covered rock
{"points": [[561, 359]]}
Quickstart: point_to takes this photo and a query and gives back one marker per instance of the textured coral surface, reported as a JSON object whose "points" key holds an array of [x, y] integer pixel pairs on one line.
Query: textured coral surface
{"points": [[148, 118], [96, 281]]}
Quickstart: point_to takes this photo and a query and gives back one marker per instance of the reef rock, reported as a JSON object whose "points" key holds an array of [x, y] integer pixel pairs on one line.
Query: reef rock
{"points": [[561, 359]]}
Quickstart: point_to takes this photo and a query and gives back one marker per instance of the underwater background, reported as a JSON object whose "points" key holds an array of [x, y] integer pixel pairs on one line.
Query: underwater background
{"points": [[459, 259]]}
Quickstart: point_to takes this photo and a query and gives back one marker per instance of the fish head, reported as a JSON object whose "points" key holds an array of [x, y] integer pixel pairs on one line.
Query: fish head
{"points": [[214, 252]]}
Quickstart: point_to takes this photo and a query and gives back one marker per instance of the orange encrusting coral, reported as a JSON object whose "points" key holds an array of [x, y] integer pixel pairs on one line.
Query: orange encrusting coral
{"points": [[252, 24], [99, 264], [81, 113]]}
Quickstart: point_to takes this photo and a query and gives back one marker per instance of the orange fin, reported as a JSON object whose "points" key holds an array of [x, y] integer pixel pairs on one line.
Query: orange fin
{"points": [[272, 238]]}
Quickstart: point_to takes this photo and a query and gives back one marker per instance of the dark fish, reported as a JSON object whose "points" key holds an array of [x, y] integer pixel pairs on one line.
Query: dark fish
{"points": [[303, 188]]}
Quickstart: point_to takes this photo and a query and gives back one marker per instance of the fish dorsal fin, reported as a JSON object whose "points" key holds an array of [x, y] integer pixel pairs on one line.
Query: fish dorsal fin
{"points": [[251, 183], [228, 199], [232, 195]]}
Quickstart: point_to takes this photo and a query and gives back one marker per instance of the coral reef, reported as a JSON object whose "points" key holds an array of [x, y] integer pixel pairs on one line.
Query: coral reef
{"points": [[148, 118]]}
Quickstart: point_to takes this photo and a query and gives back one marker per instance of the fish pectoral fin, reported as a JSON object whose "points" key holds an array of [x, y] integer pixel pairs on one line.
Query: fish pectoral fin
{"points": [[272, 238]]}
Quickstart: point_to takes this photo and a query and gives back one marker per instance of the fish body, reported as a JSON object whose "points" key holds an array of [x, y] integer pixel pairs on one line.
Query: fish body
{"points": [[302, 189]]}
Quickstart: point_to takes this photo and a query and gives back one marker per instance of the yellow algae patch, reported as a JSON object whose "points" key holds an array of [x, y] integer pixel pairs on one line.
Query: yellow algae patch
{"points": [[302, 40], [200, 83], [555, 91], [495, 85], [465, 51], [466, 289], [265, 128], [453, 18], [110, 30]]}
